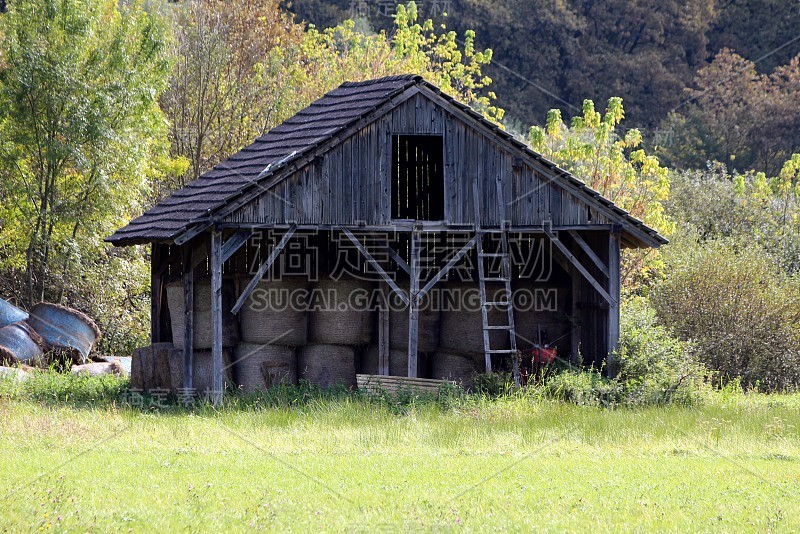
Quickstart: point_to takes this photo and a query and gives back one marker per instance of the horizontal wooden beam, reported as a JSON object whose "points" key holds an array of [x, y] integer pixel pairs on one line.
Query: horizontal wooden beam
{"points": [[375, 265], [577, 264], [263, 269], [408, 226], [589, 252]]}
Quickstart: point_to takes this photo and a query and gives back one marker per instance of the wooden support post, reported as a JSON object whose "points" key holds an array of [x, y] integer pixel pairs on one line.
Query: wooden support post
{"points": [[575, 333], [188, 315], [218, 383], [156, 288], [413, 305], [614, 291], [383, 332]]}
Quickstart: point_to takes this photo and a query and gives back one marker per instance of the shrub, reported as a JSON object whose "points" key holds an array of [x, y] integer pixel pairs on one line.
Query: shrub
{"points": [[493, 384], [654, 366], [737, 308], [581, 387]]}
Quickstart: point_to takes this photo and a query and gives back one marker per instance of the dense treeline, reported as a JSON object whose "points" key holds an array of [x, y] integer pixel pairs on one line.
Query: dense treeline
{"points": [[653, 54], [150, 96]]}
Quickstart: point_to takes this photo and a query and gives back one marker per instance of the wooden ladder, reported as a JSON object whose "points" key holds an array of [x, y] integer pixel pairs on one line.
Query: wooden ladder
{"points": [[504, 276]]}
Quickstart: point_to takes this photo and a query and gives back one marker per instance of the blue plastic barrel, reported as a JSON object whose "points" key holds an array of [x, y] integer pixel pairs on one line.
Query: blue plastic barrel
{"points": [[19, 343], [10, 313], [65, 328]]}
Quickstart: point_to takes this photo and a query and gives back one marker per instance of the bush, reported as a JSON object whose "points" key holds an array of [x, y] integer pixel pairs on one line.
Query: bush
{"points": [[654, 366], [586, 388], [737, 308]]}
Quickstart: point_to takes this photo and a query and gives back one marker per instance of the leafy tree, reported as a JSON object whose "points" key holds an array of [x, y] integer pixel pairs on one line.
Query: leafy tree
{"points": [[344, 53], [738, 116], [612, 163], [645, 51], [715, 204], [237, 72], [731, 299], [242, 68], [81, 136]]}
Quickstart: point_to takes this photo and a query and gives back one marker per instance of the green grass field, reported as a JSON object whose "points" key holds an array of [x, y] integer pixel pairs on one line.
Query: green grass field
{"points": [[347, 463]]}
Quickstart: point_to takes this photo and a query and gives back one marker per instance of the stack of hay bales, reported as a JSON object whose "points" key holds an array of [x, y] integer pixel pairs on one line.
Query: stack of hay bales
{"points": [[340, 318], [398, 361], [201, 327], [429, 322], [460, 367], [150, 367], [460, 355], [202, 370], [273, 322], [462, 323]]}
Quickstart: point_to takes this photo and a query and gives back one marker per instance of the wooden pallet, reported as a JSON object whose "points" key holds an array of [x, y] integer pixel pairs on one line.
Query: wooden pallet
{"points": [[392, 384]]}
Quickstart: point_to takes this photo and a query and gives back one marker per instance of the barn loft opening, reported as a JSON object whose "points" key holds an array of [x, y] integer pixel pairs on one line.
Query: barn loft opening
{"points": [[418, 177]]}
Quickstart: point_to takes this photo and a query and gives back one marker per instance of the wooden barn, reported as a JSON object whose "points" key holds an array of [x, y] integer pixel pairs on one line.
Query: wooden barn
{"points": [[464, 248]]}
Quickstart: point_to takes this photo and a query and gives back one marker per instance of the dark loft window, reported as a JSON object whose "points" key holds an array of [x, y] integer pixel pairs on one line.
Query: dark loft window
{"points": [[418, 177]]}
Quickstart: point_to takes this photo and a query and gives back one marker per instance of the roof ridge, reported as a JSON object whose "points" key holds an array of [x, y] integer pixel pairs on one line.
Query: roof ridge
{"points": [[393, 78]]}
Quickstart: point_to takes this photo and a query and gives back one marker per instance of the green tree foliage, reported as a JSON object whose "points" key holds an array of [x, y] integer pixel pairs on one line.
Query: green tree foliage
{"points": [[81, 138], [414, 47], [738, 116], [645, 51], [242, 68], [654, 366], [612, 163]]}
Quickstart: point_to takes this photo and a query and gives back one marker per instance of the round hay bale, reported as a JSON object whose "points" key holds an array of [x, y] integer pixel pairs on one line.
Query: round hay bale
{"points": [[263, 366], [341, 312], [202, 370], [328, 365], [202, 330], [547, 314], [276, 313], [398, 362], [68, 331], [19, 343], [462, 323], [10, 314], [150, 367], [459, 367], [427, 329]]}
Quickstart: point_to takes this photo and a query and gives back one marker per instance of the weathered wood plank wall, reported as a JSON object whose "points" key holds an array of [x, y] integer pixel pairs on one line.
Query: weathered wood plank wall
{"points": [[350, 184]]}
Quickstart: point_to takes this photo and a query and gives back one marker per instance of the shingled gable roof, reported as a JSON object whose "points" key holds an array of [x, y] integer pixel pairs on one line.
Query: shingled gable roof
{"points": [[194, 205]]}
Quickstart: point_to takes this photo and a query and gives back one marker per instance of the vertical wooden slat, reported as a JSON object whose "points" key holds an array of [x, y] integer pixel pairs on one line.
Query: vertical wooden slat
{"points": [[383, 332], [413, 305], [216, 317], [188, 315]]}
